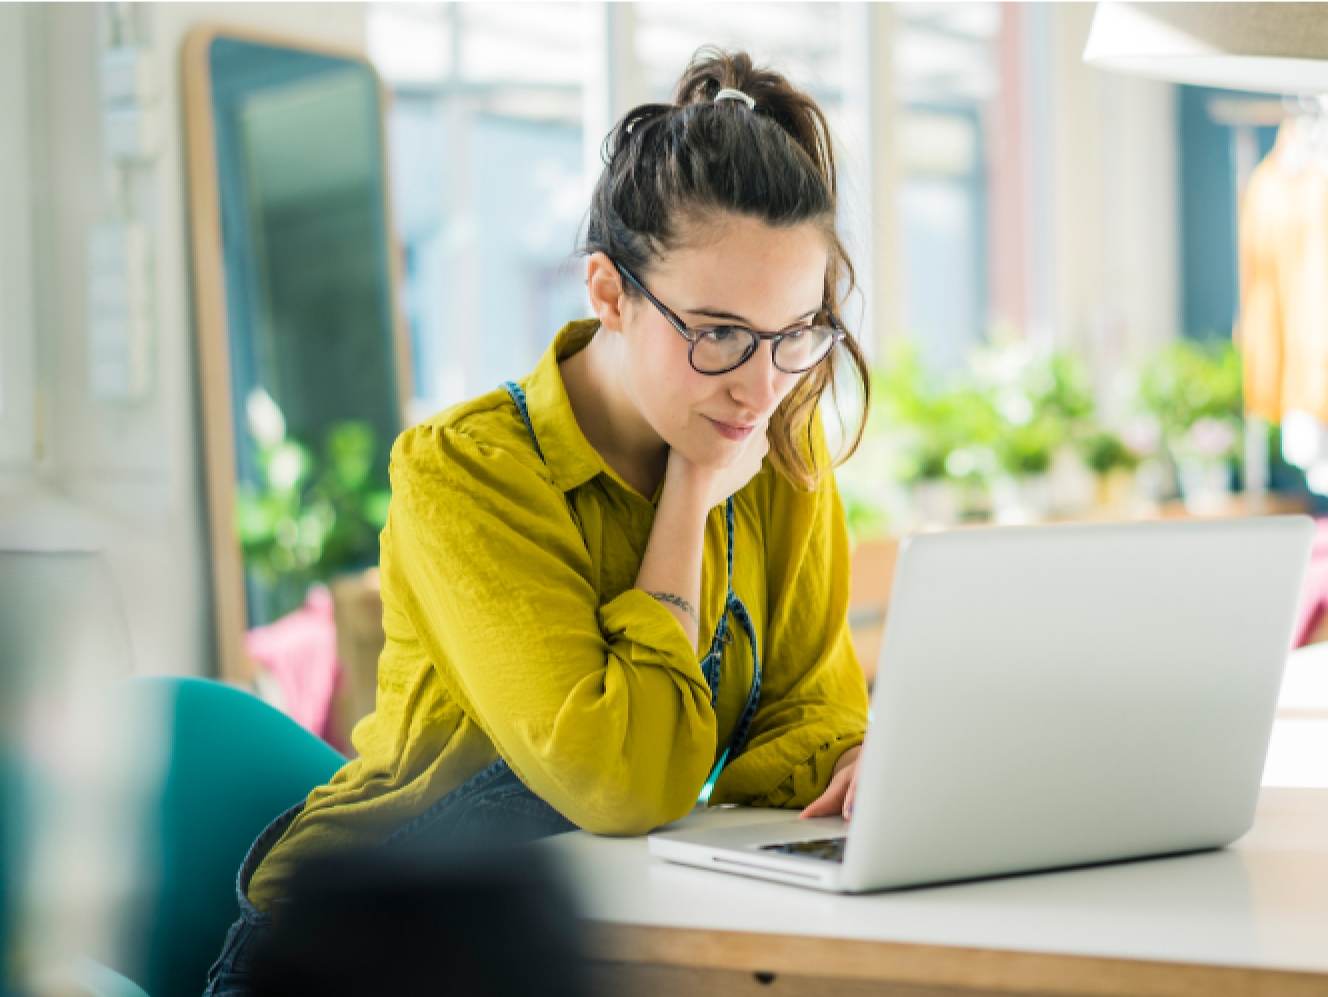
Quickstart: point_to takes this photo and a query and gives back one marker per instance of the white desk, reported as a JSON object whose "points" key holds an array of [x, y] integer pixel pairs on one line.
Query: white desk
{"points": [[1252, 919]]}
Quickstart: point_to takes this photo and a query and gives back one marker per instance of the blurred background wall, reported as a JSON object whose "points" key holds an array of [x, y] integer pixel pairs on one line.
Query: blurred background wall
{"points": [[993, 185], [75, 470]]}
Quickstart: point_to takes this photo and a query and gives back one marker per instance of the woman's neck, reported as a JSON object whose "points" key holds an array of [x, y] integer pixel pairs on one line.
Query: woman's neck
{"points": [[607, 416]]}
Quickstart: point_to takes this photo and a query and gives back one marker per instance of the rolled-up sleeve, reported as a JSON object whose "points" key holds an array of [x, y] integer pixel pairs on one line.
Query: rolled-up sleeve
{"points": [[813, 703], [601, 710]]}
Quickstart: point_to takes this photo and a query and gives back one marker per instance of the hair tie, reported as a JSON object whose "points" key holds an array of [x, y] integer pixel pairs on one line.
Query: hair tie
{"points": [[727, 94]]}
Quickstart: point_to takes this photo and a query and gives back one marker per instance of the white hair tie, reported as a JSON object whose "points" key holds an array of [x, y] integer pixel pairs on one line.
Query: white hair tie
{"points": [[727, 94]]}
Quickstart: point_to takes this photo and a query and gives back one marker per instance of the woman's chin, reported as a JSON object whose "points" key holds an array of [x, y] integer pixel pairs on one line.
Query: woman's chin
{"points": [[715, 457]]}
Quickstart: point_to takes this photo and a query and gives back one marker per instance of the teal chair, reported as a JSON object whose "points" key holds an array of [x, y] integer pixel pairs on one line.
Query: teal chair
{"points": [[221, 765]]}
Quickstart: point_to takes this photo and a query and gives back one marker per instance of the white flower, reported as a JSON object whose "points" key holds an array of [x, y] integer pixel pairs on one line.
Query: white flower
{"points": [[1211, 437], [266, 422], [1142, 436], [285, 467]]}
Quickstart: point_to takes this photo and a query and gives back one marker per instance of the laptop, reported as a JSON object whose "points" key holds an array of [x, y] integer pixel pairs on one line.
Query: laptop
{"points": [[1049, 697]]}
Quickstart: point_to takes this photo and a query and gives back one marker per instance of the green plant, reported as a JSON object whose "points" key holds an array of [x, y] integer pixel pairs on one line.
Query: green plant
{"points": [[1194, 391], [1042, 399], [307, 518], [1030, 448], [1189, 381], [1103, 451], [931, 420]]}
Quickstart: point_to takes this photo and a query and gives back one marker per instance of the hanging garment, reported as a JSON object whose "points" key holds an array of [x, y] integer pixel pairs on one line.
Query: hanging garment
{"points": [[1283, 329]]}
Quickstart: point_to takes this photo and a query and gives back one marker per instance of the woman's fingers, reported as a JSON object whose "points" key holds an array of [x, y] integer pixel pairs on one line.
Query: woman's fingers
{"points": [[831, 802], [851, 794]]}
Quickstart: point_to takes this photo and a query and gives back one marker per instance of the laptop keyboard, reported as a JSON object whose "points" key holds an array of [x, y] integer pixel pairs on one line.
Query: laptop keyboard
{"points": [[829, 849]]}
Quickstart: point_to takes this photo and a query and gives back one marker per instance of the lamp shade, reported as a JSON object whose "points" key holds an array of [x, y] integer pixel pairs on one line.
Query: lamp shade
{"points": [[1265, 47]]}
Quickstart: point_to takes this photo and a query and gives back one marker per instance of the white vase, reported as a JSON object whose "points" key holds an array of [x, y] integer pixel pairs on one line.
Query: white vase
{"points": [[1205, 485], [1022, 500]]}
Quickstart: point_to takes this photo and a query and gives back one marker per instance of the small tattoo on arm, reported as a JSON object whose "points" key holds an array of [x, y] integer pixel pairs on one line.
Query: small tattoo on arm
{"points": [[673, 600]]}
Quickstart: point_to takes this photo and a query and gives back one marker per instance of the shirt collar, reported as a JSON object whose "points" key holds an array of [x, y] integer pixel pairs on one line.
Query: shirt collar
{"points": [[570, 457]]}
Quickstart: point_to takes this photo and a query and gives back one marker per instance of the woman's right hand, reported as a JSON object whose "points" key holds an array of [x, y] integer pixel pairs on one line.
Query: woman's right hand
{"points": [[711, 486]]}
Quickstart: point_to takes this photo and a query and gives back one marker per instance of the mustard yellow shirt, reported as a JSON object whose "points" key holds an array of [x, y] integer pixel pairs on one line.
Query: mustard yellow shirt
{"points": [[514, 630]]}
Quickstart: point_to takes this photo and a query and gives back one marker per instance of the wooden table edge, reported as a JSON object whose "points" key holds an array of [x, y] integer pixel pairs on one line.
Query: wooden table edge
{"points": [[984, 970]]}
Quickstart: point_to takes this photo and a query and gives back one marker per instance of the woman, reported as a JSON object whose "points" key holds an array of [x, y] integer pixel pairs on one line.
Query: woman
{"points": [[623, 583]]}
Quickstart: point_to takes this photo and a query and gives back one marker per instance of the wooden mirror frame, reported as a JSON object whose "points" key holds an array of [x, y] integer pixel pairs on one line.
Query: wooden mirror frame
{"points": [[230, 611]]}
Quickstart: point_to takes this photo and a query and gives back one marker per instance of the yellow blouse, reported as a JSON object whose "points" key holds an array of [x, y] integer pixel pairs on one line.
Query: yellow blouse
{"points": [[513, 629]]}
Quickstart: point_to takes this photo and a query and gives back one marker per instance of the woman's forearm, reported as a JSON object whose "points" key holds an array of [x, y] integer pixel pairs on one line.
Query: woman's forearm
{"points": [[671, 568]]}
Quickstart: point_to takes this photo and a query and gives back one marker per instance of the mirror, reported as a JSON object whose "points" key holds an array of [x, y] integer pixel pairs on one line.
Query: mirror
{"points": [[303, 364]]}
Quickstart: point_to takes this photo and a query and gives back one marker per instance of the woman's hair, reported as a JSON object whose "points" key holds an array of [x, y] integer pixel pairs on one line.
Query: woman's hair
{"points": [[670, 168]]}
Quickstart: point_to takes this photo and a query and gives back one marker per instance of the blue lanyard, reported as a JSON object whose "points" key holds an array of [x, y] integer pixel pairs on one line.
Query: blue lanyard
{"points": [[710, 664]]}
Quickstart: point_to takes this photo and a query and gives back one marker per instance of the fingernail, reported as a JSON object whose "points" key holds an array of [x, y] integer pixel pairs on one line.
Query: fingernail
{"points": [[848, 810]]}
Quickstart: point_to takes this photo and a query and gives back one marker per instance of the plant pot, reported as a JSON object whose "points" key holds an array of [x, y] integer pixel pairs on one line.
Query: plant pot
{"points": [[1022, 500], [1205, 485], [1116, 490]]}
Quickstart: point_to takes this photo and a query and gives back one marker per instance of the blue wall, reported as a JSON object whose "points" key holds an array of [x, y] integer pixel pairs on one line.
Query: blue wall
{"points": [[1209, 276]]}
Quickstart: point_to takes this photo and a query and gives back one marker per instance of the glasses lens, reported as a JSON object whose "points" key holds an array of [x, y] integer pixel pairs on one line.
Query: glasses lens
{"points": [[721, 348], [805, 349]]}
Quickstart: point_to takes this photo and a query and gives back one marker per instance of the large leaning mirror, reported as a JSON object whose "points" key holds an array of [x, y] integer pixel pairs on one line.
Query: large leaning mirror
{"points": [[303, 365]]}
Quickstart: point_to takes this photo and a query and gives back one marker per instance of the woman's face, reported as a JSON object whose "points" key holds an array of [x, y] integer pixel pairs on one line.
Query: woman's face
{"points": [[740, 272]]}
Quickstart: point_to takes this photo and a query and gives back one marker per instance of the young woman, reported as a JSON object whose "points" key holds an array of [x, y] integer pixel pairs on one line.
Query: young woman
{"points": [[622, 584]]}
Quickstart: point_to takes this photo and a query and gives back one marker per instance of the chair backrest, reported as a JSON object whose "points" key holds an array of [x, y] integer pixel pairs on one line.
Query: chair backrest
{"points": [[220, 765]]}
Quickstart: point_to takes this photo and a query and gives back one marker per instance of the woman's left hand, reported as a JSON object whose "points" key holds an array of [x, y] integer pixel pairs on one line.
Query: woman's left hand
{"points": [[838, 796]]}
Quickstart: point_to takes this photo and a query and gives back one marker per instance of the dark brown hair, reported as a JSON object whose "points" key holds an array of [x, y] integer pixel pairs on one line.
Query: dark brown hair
{"points": [[669, 167]]}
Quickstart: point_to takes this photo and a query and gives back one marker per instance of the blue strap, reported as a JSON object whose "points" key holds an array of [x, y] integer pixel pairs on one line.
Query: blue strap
{"points": [[519, 397], [710, 667], [732, 604]]}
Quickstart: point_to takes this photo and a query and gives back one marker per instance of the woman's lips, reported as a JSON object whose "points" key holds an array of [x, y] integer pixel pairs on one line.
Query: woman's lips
{"points": [[732, 432]]}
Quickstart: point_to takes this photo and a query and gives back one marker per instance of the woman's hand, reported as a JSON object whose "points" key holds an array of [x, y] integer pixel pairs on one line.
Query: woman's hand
{"points": [[670, 569], [710, 486], [838, 796]]}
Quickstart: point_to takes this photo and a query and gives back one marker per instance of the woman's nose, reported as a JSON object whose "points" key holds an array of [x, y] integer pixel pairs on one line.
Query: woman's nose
{"points": [[758, 382]]}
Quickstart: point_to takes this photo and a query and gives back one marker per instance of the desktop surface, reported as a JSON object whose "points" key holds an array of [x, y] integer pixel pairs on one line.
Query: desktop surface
{"points": [[1261, 904]]}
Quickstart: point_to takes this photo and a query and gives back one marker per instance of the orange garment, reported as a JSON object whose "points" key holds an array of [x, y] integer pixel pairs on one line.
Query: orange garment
{"points": [[1283, 331]]}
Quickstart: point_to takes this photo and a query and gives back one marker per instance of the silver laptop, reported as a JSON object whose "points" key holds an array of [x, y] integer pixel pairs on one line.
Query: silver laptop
{"points": [[1050, 697]]}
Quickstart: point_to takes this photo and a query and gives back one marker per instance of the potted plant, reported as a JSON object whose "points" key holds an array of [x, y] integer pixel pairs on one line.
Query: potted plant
{"points": [[1042, 401], [1194, 391], [307, 517], [1113, 464]]}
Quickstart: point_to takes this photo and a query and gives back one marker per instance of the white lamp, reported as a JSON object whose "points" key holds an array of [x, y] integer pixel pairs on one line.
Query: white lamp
{"points": [[1266, 47]]}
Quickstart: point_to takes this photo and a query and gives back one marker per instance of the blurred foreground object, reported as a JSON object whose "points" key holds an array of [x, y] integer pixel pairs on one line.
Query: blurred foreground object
{"points": [[1265, 47], [207, 767], [63, 637], [423, 922]]}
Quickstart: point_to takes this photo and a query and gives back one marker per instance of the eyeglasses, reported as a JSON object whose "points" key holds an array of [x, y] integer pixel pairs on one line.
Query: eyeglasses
{"points": [[718, 349]]}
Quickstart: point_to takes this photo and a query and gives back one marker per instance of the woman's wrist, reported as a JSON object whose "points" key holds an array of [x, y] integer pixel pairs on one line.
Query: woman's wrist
{"points": [[671, 567]]}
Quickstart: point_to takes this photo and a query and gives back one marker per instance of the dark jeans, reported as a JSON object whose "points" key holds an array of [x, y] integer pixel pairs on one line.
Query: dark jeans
{"points": [[492, 807]]}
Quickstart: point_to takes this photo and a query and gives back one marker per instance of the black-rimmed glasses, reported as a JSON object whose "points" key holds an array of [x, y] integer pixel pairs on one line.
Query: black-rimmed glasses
{"points": [[718, 349]]}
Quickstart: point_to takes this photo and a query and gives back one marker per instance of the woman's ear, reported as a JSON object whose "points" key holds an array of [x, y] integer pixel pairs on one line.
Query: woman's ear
{"points": [[604, 284]]}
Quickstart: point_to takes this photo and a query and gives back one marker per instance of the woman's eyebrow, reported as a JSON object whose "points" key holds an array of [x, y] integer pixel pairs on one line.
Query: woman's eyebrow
{"points": [[730, 317]]}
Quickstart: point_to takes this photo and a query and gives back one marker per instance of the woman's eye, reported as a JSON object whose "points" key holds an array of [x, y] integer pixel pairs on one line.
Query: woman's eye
{"points": [[725, 334]]}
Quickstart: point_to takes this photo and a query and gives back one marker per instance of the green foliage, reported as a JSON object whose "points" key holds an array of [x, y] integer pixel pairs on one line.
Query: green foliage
{"points": [[1011, 411], [1189, 381], [1104, 452], [1044, 400], [1029, 449], [1194, 390], [934, 420], [309, 519]]}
